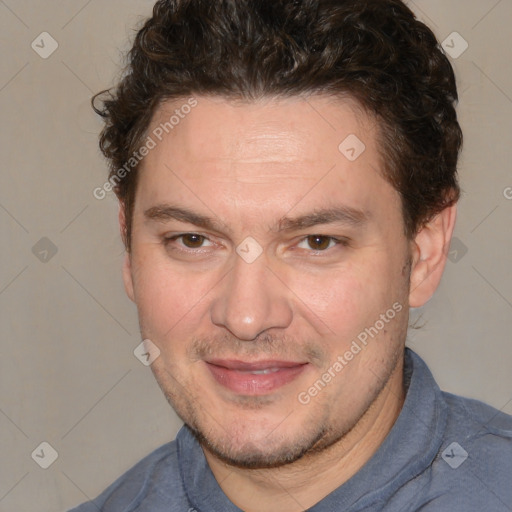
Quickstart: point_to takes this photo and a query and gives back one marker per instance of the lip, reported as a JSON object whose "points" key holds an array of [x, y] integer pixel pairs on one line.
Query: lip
{"points": [[237, 375]]}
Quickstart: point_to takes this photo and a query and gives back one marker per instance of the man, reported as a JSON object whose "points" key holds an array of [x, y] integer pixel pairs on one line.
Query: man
{"points": [[286, 172]]}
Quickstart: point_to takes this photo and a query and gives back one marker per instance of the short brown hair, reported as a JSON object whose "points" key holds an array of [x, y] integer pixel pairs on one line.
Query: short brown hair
{"points": [[374, 51]]}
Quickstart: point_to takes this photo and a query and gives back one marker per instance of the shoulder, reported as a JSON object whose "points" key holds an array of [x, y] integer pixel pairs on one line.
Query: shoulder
{"points": [[485, 431], [479, 413], [474, 462], [155, 480], [478, 422]]}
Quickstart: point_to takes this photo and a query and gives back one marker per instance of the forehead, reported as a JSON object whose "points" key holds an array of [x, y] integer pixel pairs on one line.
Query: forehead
{"points": [[281, 130], [262, 158]]}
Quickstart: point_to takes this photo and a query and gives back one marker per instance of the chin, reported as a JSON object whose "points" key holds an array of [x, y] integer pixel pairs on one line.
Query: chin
{"points": [[267, 452]]}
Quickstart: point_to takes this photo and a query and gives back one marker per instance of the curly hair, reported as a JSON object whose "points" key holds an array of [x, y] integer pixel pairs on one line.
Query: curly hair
{"points": [[374, 51]]}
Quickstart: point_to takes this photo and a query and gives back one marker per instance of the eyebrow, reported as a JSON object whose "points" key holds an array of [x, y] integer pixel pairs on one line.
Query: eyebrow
{"points": [[164, 213], [339, 214]]}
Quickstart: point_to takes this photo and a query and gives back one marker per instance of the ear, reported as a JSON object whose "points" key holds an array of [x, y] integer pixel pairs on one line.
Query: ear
{"points": [[429, 252], [127, 264]]}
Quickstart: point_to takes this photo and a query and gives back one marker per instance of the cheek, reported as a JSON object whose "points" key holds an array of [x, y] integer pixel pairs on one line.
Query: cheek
{"points": [[165, 296], [350, 299], [332, 296]]}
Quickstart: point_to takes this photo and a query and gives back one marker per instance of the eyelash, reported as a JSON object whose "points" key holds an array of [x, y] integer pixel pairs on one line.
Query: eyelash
{"points": [[168, 240], [337, 241], [343, 242]]}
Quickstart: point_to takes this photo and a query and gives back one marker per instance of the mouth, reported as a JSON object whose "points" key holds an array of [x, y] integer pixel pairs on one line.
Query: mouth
{"points": [[254, 378]]}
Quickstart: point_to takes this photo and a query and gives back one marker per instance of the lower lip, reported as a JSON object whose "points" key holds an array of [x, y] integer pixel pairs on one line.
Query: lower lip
{"points": [[246, 383]]}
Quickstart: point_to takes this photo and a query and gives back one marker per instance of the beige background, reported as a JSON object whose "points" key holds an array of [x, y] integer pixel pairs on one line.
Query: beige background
{"points": [[68, 375]]}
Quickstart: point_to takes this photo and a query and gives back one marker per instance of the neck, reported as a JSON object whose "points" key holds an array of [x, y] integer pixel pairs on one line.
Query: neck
{"points": [[301, 484]]}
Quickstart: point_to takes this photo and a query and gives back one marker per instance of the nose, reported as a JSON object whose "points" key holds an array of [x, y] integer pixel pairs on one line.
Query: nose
{"points": [[251, 300]]}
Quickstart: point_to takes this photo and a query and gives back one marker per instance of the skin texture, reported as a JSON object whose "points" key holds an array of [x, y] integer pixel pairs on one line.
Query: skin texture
{"points": [[247, 166]]}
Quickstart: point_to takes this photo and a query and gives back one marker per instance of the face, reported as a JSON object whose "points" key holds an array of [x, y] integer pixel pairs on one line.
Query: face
{"points": [[270, 268]]}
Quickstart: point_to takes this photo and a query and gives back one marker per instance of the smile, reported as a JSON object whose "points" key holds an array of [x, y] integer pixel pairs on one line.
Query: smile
{"points": [[254, 378]]}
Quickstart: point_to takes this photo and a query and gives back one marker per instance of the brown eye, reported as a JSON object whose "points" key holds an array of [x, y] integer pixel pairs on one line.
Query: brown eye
{"points": [[319, 242], [192, 241]]}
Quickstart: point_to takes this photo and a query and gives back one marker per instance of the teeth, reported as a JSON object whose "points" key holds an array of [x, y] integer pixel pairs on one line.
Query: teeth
{"points": [[264, 372]]}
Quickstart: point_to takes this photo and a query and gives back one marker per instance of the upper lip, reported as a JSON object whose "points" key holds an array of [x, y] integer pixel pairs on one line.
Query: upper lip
{"points": [[235, 364]]}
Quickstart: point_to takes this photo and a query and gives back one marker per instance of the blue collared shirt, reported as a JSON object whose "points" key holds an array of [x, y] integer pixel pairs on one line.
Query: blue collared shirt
{"points": [[444, 453]]}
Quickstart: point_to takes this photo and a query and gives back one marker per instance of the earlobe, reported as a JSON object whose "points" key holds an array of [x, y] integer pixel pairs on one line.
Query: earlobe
{"points": [[429, 252], [127, 267]]}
